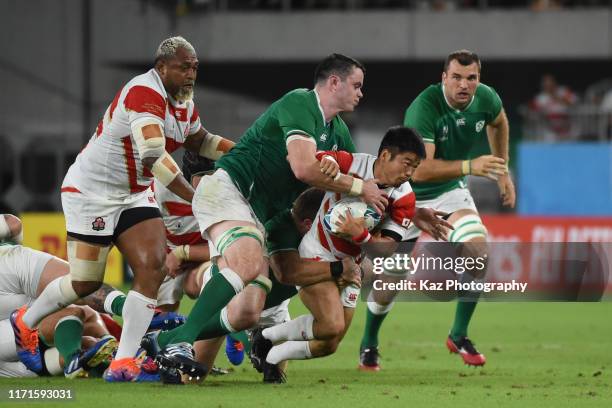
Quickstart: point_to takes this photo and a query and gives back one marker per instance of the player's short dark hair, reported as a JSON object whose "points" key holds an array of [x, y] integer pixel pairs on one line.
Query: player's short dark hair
{"points": [[336, 64], [463, 57], [194, 164], [401, 139], [307, 204]]}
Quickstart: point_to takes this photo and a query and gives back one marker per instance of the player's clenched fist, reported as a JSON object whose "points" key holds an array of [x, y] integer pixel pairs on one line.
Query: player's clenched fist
{"points": [[329, 166]]}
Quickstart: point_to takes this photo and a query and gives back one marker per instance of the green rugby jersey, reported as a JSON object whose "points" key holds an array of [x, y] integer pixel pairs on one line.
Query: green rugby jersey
{"points": [[258, 162], [457, 134]]}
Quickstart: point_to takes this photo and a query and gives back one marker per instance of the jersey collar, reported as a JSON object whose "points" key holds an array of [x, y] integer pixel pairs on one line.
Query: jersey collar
{"points": [[451, 106], [320, 108]]}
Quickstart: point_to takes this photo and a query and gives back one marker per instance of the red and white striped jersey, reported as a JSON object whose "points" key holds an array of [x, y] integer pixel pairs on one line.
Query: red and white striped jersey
{"points": [[109, 166], [181, 225], [318, 243]]}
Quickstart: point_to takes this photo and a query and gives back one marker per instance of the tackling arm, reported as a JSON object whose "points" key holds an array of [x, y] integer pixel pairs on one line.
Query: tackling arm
{"points": [[207, 144], [306, 168], [290, 269]]}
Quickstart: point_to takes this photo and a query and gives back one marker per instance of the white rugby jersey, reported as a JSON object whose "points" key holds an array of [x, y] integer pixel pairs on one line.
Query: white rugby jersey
{"points": [[110, 166], [320, 244], [181, 225]]}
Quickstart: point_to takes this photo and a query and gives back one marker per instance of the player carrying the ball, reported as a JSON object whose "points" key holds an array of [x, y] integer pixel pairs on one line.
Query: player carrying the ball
{"points": [[332, 307]]}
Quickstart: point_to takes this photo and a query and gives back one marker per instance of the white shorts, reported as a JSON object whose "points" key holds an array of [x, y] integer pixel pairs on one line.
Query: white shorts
{"points": [[217, 199], [88, 215], [349, 296], [171, 290], [20, 271], [275, 315], [449, 202]]}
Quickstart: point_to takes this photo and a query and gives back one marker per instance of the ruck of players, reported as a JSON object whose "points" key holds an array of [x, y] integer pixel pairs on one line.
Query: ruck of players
{"points": [[283, 214]]}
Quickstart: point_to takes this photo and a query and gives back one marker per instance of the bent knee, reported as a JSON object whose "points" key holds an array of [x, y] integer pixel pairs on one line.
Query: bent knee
{"points": [[331, 330], [86, 288]]}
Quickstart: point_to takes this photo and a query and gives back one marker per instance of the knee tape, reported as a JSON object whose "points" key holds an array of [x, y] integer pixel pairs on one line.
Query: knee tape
{"points": [[233, 234], [468, 228], [87, 262], [66, 289]]}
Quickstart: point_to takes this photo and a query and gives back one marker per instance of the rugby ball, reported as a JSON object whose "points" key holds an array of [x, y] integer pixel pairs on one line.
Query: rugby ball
{"points": [[357, 208]]}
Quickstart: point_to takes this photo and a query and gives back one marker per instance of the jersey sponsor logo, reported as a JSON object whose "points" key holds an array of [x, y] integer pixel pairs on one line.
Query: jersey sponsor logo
{"points": [[323, 137], [98, 224], [479, 125], [461, 122]]}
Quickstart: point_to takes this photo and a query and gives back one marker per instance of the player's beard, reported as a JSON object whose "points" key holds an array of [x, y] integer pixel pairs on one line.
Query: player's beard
{"points": [[184, 94]]}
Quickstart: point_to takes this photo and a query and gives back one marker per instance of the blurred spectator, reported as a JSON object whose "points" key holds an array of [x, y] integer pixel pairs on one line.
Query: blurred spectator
{"points": [[606, 102], [552, 104], [606, 109], [545, 5]]}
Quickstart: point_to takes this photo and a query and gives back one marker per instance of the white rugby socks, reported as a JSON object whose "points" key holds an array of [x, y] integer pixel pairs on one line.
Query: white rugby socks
{"points": [[52, 299], [289, 350], [299, 328], [137, 314]]}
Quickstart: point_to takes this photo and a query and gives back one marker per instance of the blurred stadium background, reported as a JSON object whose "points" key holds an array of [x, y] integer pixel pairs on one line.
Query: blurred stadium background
{"points": [[62, 62]]}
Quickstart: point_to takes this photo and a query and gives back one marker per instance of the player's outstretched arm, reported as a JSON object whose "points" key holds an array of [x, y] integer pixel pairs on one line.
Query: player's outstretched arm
{"points": [[290, 269], [306, 168], [165, 169], [434, 170], [207, 144], [186, 253], [431, 221]]}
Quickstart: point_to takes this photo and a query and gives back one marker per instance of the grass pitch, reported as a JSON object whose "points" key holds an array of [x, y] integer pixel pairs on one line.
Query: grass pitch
{"points": [[539, 355]]}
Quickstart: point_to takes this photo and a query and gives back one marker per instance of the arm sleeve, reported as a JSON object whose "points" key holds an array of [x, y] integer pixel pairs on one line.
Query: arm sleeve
{"points": [[419, 116], [344, 159], [494, 103], [194, 122], [295, 120], [144, 102], [401, 211]]}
